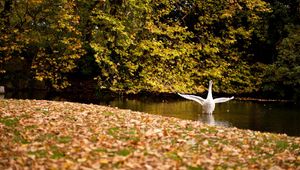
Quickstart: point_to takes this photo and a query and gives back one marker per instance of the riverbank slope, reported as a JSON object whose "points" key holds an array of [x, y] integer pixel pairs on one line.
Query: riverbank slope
{"points": [[64, 135]]}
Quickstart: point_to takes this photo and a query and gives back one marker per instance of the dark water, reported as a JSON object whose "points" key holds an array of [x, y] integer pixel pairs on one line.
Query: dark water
{"points": [[277, 117]]}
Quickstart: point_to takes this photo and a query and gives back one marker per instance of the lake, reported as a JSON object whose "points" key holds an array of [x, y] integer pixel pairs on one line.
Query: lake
{"points": [[277, 117]]}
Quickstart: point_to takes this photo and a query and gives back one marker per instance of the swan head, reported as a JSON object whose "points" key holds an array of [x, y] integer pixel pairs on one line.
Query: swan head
{"points": [[210, 84]]}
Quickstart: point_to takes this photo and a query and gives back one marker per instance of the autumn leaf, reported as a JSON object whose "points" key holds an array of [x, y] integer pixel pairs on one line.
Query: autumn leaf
{"points": [[85, 136]]}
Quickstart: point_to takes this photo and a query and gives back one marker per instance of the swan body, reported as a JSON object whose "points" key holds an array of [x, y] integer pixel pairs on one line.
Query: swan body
{"points": [[208, 104]]}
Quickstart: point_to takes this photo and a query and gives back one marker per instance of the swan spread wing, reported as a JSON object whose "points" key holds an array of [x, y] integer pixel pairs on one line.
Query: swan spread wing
{"points": [[222, 99], [197, 99]]}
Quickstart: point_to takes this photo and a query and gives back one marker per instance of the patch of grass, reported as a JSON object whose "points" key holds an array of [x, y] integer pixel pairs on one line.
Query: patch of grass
{"points": [[39, 153], [195, 168], [12, 123], [209, 130], [56, 153], [31, 127], [44, 137], [18, 138], [131, 132], [173, 155], [123, 152], [129, 135], [295, 146], [100, 150], [116, 165], [282, 145], [134, 139], [173, 141], [94, 138], [24, 116], [44, 111], [253, 159], [9, 121], [257, 150], [64, 139], [108, 113], [189, 128], [113, 131], [224, 141]]}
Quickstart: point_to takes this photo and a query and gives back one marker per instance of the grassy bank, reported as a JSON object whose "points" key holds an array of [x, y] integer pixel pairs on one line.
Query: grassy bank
{"points": [[63, 135]]}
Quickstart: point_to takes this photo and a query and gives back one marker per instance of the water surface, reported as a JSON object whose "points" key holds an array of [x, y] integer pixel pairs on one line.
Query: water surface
{"points": [[278, 117]]}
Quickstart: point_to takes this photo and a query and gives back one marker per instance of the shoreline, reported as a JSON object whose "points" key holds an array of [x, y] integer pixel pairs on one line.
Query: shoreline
{"points": [[48, 95]]}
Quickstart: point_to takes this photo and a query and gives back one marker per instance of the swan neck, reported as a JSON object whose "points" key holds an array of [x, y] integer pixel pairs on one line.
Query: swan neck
{"points": [[209, 95]]}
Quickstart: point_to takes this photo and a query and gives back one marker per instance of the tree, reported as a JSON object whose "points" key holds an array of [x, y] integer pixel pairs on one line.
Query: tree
{"points": [[223, 32], [148, 45], [283, 75], [176, 46], [45, 35], [135, 50]]}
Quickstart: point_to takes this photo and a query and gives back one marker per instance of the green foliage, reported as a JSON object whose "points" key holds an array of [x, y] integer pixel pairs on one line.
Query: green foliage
{"points": [[59, 45], [43, 33], [148, 45], [166, 53], [224, 32], [283, 75]]}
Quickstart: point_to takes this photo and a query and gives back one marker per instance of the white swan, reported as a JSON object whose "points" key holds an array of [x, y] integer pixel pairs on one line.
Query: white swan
{"points": [[208, 104]]}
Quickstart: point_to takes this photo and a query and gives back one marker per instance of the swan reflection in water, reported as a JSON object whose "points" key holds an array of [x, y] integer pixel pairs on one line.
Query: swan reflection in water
{"points": [[210, 120]]}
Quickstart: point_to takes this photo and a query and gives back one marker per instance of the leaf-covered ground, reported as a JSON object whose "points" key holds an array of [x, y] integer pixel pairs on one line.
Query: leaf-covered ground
{"points": [[38, 134]]}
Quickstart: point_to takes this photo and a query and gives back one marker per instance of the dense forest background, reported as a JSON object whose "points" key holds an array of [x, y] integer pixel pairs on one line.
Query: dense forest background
{"points": [[248, 47]]}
